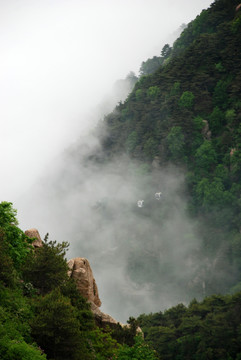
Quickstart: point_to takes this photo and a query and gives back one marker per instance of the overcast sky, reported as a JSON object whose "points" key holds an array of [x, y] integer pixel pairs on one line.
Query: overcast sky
{"points": [[58, 58]]}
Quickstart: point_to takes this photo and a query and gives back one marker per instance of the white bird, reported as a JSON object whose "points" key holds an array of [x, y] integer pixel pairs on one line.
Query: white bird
{"points": [[158, 195], [140, 203]]}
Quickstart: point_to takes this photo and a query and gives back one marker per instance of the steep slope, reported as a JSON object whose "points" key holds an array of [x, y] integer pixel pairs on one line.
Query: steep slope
{"points": [[188, 113], [177, 133]]}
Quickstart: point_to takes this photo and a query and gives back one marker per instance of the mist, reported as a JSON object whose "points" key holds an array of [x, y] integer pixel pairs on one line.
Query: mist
{"points": [[143, 259], [59, 63], [58, 60]]}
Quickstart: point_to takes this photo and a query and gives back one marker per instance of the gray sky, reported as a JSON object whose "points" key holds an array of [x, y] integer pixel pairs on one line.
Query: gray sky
{"points": [[58, 59]]}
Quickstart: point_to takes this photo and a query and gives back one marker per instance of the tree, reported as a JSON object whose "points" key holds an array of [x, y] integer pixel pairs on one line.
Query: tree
{"points": [[15, 339], [6, 264], [150, 65], [131, 141], [216, 120], [186, 100], [205, 157], [153, 92], [220, 96], [57, 330], [16, 244], [176, 88], [47, 268], [151, 148], [139, 351], [102, 344], [139, 94], [166, 51], [175, 140]]}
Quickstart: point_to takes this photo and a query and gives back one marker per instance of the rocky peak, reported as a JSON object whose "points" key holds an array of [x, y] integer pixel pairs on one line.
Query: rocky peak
{"points": [[81, 272], [34, 234]]}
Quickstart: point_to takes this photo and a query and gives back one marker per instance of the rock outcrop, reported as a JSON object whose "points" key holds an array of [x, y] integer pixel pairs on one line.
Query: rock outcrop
{"points": [[80, 270], [34, 234], [206, 132]]}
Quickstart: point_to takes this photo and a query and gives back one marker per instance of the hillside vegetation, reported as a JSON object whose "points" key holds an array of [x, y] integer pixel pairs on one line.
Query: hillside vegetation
{"points": [[187, 113], [182, 120], [42, 314]]}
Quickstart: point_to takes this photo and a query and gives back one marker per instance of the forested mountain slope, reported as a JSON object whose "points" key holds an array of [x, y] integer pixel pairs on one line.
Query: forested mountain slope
{"points": [[188, 113]]}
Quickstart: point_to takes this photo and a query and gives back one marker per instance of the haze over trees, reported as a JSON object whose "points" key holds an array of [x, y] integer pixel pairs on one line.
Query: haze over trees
{"points": [[179, 128], [187, 112]]}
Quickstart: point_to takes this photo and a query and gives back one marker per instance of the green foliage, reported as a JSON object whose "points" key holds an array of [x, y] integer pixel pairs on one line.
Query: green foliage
{"points": [[236, 24], [205, 157], [126, 334], [56, 327], [15, 243], [219, 67], [151, 148], [15, 339], [176, 88], [131, 141], [19, 350], [103, 345], [46, 268], [216, 120], [206, 60], [153, 92], [230, 116], [203, 330], [186, 100], [140, 351], [220, 95], [150, 65], [210, 193], [175, 140], [84, 314], [59, 319], [166, 51], [194, 122], [6, 264], [139, 94]]}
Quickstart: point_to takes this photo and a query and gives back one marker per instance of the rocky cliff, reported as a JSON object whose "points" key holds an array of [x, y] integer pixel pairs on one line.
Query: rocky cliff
{"points": [[81, 272]]}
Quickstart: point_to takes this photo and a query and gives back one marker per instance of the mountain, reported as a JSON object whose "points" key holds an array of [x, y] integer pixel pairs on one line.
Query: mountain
{"points": [[178, 134], [152, 197], [187, 113]]}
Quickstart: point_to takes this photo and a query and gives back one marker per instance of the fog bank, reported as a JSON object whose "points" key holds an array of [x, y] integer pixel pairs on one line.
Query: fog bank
{"points": [[58, 59]]}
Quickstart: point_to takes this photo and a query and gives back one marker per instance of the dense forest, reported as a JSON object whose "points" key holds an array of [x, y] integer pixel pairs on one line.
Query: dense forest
{"points": [[182, 118], [42, 314], [187, 113]]}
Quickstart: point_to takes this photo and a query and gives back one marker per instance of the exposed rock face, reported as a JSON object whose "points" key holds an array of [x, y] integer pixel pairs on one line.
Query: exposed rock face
{"points": [[206, 132], [80, 270], [34, 234], [101, 318]]}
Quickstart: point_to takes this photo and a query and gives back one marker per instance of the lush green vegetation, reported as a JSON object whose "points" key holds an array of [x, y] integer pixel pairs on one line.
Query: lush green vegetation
{"points": [[42, 314], [203, 330], [186, 111]]}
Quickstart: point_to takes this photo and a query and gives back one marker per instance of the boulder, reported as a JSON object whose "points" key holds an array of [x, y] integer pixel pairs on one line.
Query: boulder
{"points": [[80, 270], [34, 234]]}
